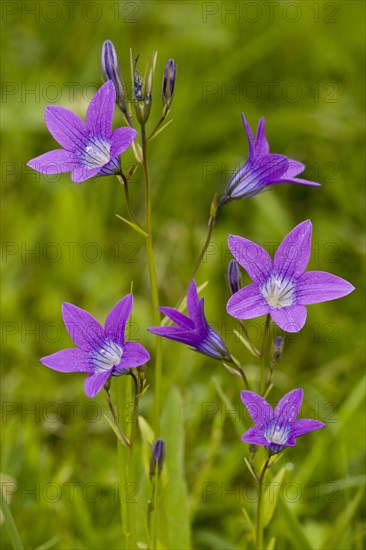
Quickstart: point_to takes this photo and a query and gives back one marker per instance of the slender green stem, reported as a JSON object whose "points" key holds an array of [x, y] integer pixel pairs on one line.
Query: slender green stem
{"points": [[153, 282], [259, 530], [122, 395], [263, 354], [252, 346], [161, 120], [211, 225], [241, 370], [131, 467], [152, 509]]}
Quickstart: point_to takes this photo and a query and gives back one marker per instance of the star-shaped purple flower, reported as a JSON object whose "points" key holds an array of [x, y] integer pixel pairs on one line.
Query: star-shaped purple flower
{"points": [[262, 168], [193, 330], [89, 148], [101, 353], [280, 286], [276, 429]]}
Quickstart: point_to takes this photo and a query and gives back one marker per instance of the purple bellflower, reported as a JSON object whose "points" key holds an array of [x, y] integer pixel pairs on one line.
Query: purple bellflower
{"points": [[280, 286], [89, 148], [262, 168], [193, 330], [278, 428], [101, 353]]}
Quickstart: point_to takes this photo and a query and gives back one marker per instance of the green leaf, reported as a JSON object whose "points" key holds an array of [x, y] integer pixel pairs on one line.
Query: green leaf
{"points": [[238, 424], [293, 527], [114, 428], [249, 522], [133, 225], [157, 132], [147, 435], [48, 544], [247, 344], [177, 528], [10, 524], [342, 522]]}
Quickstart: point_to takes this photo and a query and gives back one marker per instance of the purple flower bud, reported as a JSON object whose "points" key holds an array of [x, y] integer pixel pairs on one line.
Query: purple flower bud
{"points": [[278, 349], [157, 456], [111, 72], [170, 74], [233, 277]]}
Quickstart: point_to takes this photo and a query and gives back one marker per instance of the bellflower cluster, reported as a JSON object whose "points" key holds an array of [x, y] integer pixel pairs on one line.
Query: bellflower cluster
{"points": [[280, 286], [262, 168], [276, 429], [90, 148], [101, 352], [193, 330]]}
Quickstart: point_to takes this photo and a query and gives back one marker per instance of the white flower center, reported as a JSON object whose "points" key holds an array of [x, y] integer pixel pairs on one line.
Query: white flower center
{"points": [[96, 153], [278, 292], [107, 357], [277, 433]]}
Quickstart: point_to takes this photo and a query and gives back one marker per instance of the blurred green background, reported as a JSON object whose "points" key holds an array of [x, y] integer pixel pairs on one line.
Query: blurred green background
{"points": [[297, 63]]}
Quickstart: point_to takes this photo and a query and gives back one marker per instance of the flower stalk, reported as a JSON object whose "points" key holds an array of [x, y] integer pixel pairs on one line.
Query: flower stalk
{"points": [[153, 281], [259, 525]]}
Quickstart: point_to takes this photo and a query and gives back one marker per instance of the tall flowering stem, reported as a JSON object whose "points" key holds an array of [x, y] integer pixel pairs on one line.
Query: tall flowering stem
{"points": [[153, 281], [211, 225], [259, 526]]}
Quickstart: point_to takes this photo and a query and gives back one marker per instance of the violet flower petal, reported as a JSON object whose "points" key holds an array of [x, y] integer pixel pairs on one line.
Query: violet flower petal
{"points": [[134, 355], [261, 144], [192, 301], [184, 336], [66, 127], [121, 140], [81, 173], [247, 303], [269, 168], [68, 360], [95, 382], [117, 318], [85, 331], [253, 258], [255, 436], [294, 168], [304, 426], [177, 317], [288, 407], [318, 286], [293, 254], [249, 136], [100, 111], [54, 162], [259, 409], [290, 319]]}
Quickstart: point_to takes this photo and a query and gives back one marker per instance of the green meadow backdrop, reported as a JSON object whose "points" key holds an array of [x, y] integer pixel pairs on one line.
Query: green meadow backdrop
{"points": [[299, 64]]}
